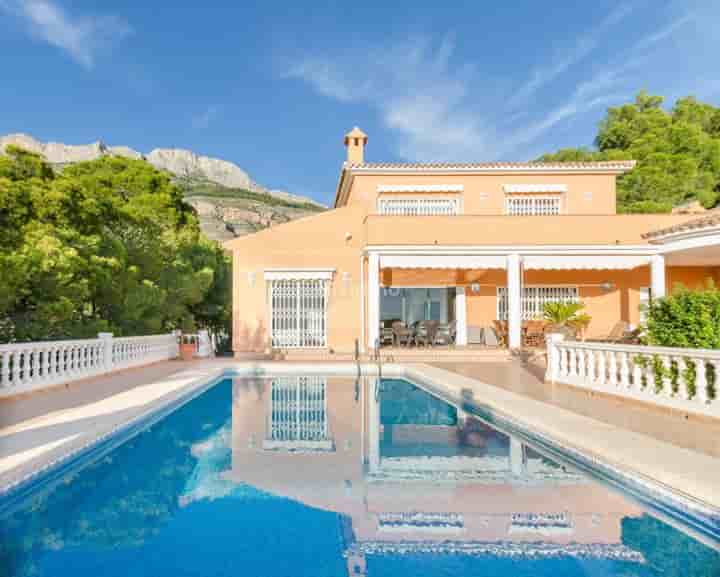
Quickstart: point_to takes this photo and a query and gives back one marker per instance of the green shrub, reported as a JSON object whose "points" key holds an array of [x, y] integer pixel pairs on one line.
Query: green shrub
{"points": [[686, 319]]}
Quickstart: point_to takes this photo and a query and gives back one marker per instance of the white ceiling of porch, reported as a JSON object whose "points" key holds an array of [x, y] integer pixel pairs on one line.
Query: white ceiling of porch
{"points": [[702, 256]]}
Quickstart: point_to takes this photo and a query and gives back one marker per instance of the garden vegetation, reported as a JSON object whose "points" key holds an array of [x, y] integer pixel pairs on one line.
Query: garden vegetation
{"points": [[103, 245]]}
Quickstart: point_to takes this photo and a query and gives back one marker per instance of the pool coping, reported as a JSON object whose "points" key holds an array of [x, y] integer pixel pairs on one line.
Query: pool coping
{"points": [[493, 403]]}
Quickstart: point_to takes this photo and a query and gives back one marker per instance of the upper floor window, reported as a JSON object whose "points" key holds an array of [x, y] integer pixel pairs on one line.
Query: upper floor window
{"points": [[532, 205], [419, 206]]}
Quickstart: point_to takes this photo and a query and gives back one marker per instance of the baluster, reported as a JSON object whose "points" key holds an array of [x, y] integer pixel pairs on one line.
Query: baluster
{"points": [[573, 362], [624, 370], [77, 369], [16, 368], [37, 365], [601, 368], [591, 377], [667, 389], [613, 370], [650, 374], [26, 367], [60, 363], [72, 355], [701, 381], [581, 364], [637, 374], [46, 364], [683, 391], [562, 352], [5, 380], [81, 365]]}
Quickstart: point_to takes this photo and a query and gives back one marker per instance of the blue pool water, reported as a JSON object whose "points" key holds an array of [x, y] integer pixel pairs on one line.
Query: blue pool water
{"points": [[326, 477]]}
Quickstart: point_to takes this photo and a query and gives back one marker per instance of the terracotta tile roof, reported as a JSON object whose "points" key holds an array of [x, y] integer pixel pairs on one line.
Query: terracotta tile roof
{"points": [[709, 220], [620, 165]]}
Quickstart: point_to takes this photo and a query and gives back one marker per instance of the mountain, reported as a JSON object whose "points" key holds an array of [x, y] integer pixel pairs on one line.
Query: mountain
{"points": [[228, 201]]}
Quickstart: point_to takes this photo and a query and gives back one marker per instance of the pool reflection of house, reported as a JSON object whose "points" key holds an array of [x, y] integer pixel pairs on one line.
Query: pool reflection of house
{"points": [[435, 477]]}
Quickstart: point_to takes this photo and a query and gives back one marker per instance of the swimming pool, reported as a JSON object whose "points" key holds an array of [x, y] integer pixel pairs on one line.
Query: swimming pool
{"points": [[317, 475]]}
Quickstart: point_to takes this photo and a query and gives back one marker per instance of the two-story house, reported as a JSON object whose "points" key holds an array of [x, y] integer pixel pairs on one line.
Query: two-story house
{"points": [[465, 243]]}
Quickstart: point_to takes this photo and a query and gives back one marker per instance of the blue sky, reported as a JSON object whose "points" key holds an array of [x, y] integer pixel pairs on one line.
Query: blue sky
{"points": [[273, 86]]}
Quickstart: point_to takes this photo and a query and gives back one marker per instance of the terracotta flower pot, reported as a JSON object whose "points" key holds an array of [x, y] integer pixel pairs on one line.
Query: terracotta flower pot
{"points": [[187, 351]]}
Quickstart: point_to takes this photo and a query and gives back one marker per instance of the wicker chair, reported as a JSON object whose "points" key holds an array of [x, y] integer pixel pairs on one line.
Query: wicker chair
{"points": [[401, 335], [426, 333], [501, 330], [446, 333]]}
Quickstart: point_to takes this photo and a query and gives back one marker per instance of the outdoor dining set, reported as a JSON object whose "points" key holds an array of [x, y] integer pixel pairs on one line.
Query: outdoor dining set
{"points": [[428, 333]]}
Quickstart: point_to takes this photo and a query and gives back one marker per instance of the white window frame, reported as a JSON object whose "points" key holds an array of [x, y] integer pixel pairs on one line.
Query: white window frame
{"points": [[298, 312], [419, 205], [533, 204], [534, 299]]}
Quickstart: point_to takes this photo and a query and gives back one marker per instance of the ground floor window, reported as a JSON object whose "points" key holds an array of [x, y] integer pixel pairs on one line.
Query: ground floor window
{"points": [[534, 299], [298, 313], [417, 304]]}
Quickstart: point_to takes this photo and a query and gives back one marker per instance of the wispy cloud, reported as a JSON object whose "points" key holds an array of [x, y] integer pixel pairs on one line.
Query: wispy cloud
{"points": [[416, 90], [584, 45], [205, 118], [430, 102], [80, 36]]}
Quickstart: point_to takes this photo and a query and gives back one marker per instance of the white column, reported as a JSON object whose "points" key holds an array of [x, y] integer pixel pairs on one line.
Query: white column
{"points": [[514, 289], [373, 299], [657, 276], [460, 316]]}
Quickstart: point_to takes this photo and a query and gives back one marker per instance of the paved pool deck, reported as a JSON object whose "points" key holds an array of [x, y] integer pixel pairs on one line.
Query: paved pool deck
{"points": [[41, 429]]}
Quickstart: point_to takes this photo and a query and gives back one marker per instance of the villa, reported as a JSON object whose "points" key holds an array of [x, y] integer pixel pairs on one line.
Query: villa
{"points": [[462, 244]]}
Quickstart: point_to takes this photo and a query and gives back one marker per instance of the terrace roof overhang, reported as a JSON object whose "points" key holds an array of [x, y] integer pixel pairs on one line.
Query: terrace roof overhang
{"points": [[532, 257], [689, 245]]}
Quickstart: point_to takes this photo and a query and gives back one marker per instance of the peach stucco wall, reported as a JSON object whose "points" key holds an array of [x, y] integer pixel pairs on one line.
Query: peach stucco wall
{"points": [[328, 240], [516, 230], [484, 193]]}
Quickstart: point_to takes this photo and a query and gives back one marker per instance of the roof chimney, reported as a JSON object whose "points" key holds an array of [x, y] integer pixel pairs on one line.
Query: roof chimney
{"points": [[355, 141]]}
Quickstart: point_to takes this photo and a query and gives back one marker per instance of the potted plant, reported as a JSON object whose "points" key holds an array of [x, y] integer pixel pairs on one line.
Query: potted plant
{"points": [[188, 341], [566, 318]]}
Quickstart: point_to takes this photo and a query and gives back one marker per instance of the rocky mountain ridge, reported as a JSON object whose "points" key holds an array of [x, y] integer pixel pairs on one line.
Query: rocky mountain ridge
{"points": [[227, 200], [180, 162]]}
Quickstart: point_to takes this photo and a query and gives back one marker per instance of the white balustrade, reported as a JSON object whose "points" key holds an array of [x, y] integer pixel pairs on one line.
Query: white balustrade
{"points": [[683, 379], [31, 366]]}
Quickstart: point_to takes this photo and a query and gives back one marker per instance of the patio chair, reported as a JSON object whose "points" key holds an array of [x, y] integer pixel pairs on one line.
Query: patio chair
{"points": [[426, 332], [446, 333], [501, 331], [401, 334]]}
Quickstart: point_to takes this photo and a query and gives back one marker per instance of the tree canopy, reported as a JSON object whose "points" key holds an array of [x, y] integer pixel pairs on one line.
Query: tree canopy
{"points": [[106, 244], [678, 152]]}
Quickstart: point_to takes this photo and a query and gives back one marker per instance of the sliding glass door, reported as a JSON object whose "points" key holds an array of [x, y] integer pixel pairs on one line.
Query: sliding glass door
{"points": [[417, 304]]}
